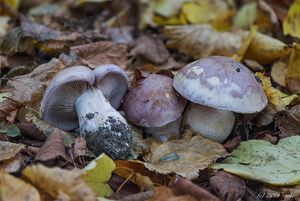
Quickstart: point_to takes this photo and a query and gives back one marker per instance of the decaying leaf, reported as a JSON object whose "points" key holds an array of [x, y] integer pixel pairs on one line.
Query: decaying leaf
{"points": [[279, 99], [11, 131], [79, 147], [59, 183], [278, 72], [29, 115], [227, 186], [291, 24], [29, 88], [293, 73], [245, 17], [12, 188], [102, 52], [136, 173], [52, 149], [164, 193], [98, 172], [13, 165], [262, 161], [9, 150], [202, 40], [185, 156], [288, 122]]}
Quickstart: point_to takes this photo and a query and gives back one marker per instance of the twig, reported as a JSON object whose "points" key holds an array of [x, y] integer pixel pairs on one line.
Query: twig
{"points": [[188, 187]]}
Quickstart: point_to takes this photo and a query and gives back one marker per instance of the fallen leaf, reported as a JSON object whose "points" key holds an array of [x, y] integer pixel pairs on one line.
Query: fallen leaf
{"points": [[29, 115], [52, 148], [135, 172], [279, 99], [288, 122], [266, 116], [11, 131], [293, 72], [13, 165], [246, 15], [278, 72], [262, 161], [79, 147], [202, 40], [98, 172], [102, 52], [12, 188], [29, 88], [164, 193], [185, 156], [59, 183], [291, 24], [228, 187], [151, 49], [8, 150]]}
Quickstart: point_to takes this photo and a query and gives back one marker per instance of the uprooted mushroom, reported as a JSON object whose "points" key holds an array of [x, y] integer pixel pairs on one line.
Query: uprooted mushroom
{"points": [[217, 86], [80, 97]]}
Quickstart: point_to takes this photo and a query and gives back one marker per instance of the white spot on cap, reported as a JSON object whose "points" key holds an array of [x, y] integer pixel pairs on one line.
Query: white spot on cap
{"points": [[198, 70], [214, 81], [225, 81]]}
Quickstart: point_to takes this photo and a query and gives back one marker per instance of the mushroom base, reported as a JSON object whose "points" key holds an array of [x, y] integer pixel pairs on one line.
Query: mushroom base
{"points": [[166, 132], [113, 137], [104, 129]]}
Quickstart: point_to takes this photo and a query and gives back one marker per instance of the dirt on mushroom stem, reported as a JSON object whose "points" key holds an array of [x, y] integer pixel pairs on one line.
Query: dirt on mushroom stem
{"points": [[104, 129]]}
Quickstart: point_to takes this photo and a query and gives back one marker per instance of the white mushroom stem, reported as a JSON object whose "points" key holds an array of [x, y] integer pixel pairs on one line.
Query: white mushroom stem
{"points": [[214, 124], [164, 133], [94, 110]]}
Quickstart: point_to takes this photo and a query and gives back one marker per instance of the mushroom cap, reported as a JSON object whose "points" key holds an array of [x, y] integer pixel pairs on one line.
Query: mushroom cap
{"points": [[113, 82], [153, 102], [221, 82], [58, 103], [212, 123]]}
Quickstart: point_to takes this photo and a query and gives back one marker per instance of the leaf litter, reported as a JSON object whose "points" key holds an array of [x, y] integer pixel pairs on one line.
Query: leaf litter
{"points": [[38, 41]]}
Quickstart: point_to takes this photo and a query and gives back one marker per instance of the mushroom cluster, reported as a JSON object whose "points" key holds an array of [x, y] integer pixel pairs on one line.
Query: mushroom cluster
{"points": [[216, 87], [81, 97]]}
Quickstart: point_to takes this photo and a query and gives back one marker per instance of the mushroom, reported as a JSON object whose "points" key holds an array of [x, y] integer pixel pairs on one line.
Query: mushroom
{"points": [[220, 83], [154, 104], [72, 100]]}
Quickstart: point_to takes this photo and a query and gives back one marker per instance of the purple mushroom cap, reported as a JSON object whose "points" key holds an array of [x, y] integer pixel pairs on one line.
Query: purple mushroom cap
{"points": [[221, 82], [113, 82], [153, 102], [58, 103]]}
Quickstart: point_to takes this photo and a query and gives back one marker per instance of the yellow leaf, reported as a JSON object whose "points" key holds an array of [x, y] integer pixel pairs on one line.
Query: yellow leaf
{"points": [[60, 184], [294, 64], [185, 156], [291, 24], [13, 4], [98, 172], [245, 17], [278, 72], [276, 97], [14, 189]]}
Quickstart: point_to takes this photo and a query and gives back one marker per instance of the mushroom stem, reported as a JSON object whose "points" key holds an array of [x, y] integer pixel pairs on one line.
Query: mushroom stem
{"points": [[101, 125]]}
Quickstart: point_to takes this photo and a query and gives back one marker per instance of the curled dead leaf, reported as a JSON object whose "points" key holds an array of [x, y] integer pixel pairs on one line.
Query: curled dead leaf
{"points": [[59, 183], [8, 150], [52, 149]]}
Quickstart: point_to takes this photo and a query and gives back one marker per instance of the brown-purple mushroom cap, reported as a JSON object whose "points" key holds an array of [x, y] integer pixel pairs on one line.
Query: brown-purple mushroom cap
{"points": [[57, 106], [153, 102], [113, 82], [221, 82]]}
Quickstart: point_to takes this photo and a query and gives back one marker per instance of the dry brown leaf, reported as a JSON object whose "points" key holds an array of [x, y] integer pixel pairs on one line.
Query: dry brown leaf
{"points": [[202, 40], [15, 189], [7, 106], [288, 122], [29, 88], [151, 49], [102, 52], [278, 72], [227, 186], [8, 150], [164, 193], [185, 156], [59, 183], [12, 165], [52, 149], [79, 147]]}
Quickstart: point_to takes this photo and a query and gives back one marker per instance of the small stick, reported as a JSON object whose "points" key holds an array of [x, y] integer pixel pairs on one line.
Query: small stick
{"points": [[188, 187]]}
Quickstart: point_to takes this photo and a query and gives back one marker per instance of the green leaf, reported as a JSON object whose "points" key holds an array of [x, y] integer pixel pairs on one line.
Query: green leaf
{"points": [[262, 161], [98, 172], [11, 131]]}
